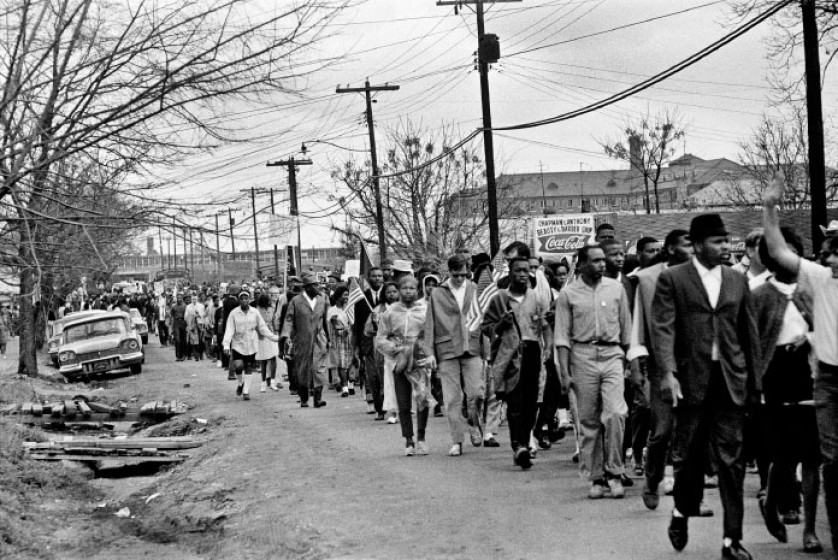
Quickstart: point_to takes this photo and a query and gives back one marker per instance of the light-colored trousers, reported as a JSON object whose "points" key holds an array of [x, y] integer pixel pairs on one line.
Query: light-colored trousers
{"points": [[492, 406], [456, 375], [599, 381]]}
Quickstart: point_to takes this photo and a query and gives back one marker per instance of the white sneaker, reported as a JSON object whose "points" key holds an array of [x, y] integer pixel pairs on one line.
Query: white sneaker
{"points": [[263, 388], [456, 450], [408, 451], [668, 485], [218, 364], [273, 386], [421, 448], [392, 420]]}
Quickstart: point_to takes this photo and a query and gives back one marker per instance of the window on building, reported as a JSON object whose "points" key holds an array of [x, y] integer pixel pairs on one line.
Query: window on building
{"points": [[569, 202]]}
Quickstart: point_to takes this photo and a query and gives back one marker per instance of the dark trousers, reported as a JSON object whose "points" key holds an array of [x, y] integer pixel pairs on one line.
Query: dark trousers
{"points": [[826, 407], [719, 424], [181, 344], [293, 383], [639, 420], [375, 381], [660, 436], [550, 401], [404, 398], [522, 401], [163, 332]]}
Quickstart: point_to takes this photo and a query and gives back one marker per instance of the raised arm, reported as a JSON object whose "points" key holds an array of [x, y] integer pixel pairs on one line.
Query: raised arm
{"points": [[777, 247]]}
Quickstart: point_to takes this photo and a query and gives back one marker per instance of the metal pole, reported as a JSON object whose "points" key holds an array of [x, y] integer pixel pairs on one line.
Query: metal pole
{"points": [[814, 114], [174, 240]]}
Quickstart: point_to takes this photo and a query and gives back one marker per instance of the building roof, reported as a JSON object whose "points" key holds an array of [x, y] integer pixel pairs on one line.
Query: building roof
{"points": [[568, 183]]}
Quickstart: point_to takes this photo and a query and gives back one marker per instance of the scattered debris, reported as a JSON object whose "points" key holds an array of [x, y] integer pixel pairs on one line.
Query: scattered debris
{"points": [[91, 415], [123, 513], [153, 496]]}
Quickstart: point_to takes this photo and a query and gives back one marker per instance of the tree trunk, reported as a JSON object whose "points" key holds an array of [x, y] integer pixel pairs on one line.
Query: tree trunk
{"points": [[657, 199], [647, 202], [28, 359]]}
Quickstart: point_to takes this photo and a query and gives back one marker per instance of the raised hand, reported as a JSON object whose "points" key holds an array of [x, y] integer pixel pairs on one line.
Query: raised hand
{"points": [[774, 192]]}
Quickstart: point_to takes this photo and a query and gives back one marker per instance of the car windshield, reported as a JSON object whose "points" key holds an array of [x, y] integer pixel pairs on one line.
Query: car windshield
{"points": [[93, 329], [135, 313]]}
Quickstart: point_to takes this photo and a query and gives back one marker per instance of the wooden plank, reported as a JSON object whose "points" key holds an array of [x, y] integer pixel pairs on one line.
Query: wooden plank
{"points": [[129, 443], [99, 407], [57, 409], [26, 408], [84, 408], [126, 459], [148, 408], [37, 409], [69, 409], [9, 409]]}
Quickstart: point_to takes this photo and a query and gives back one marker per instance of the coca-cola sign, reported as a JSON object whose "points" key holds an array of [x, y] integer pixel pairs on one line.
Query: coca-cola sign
{"points": [[561, 236]]}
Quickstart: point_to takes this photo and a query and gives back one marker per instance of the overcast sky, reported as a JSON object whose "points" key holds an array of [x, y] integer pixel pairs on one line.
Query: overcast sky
{"points": [[428, 51]]}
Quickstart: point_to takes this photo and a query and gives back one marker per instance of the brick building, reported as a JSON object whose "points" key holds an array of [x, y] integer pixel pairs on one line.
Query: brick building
{"points": [[616, 190]]}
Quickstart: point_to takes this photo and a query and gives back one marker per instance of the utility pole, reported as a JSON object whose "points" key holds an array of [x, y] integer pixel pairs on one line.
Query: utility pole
{"points": [[255, 230], [814, 115], [292, 164], [160, 237], [191, 250], [379, 212], [276, 249], [218, 245], [488, 51], [232, 237], [174, 239]]}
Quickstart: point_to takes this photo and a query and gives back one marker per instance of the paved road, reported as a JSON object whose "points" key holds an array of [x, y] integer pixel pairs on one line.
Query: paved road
{"points": [[332, 483]]}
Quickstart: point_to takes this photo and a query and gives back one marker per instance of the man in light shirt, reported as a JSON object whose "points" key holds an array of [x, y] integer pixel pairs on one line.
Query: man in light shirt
{"points": [[241, 340], [822, 282], [705, 344]]}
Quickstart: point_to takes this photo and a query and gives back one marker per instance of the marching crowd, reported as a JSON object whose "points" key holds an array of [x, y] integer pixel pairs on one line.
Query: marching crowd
{"points": [[682, 359]]}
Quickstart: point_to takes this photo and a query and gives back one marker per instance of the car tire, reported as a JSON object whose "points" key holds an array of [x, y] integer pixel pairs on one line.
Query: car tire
{"points": [[144, 339], [55, 363], [136, 368]]}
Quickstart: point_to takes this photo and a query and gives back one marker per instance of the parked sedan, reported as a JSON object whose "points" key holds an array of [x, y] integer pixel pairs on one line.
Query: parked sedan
{"points": [[139, 324], [99, 344], [55, 328]]}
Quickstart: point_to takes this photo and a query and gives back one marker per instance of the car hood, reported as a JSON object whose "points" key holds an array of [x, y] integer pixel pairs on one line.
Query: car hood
{"points": [[94, 344]]}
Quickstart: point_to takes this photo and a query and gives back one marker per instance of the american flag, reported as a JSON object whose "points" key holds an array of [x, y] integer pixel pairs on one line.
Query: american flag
{"points": [[356, 294], [357, 285], [487, 287]]}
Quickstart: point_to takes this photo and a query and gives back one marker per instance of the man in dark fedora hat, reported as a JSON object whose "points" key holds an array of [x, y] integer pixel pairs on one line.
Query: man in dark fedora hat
{"points": [[704, 339]]}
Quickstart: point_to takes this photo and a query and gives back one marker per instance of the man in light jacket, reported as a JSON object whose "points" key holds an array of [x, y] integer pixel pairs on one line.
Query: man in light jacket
{"points": [[452, 340]]}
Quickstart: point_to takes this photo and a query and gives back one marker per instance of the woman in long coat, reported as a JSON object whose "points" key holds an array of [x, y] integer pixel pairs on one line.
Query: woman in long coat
{"points": [[307, 330]]}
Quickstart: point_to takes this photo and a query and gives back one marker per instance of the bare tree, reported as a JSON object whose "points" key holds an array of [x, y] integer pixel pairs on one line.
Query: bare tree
{"points": [[785, 42], [648, 147], [430, 207], [122, 85], [778, 146]]}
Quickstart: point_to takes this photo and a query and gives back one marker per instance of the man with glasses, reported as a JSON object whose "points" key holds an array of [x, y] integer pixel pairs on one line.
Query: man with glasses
{"points": [[452, 342]]}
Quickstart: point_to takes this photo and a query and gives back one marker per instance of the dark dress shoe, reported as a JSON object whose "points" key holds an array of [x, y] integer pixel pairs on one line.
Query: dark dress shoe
{"points": [[735, 552], [627, 482], [239, 390], [651, 499], [319, 404], [773, 523], [523, 458], [303, 405], [811, 544], [555, 435], [677, 532], [491, 442], [544, 442], [379, 417]]}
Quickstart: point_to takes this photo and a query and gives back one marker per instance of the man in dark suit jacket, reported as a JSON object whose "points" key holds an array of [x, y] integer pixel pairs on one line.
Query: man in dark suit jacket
{"points": [[704, 340], [373, 383]]}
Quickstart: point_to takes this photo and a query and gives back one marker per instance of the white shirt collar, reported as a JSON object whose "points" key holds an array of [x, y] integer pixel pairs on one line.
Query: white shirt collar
{"points": [[704, 271]]}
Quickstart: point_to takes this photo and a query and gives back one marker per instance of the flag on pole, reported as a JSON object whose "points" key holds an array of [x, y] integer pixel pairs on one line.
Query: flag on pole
{"points": [[488, 290], [357, 285]]}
